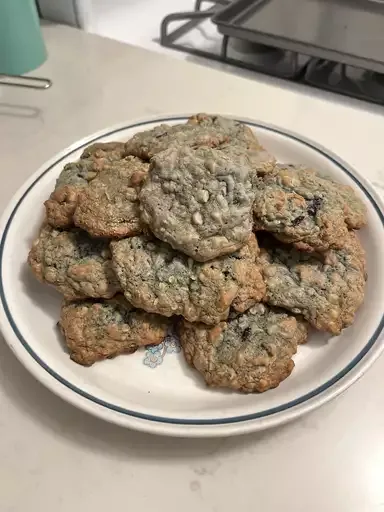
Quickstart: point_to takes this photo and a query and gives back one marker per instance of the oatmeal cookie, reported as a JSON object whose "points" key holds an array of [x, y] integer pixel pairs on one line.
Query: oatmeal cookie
{"points": [[199, 201], [102, 329], [77, 265], [112, 151], [239, 134], [242, 144], [250, 352], [260, 161], [158, 279], [299, 206], [61, 205], [109, 205], [148, 143], [326, 288]]}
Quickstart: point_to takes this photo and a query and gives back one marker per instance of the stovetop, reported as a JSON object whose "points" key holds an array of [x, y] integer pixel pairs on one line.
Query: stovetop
{"points": [[321, 73]]}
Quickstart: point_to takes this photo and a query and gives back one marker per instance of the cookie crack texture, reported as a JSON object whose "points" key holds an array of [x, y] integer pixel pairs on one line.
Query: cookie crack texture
{"points": [[198, 201]]}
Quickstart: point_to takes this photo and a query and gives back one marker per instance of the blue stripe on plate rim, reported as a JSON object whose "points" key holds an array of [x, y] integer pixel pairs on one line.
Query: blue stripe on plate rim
{"points": [[185, 421]]}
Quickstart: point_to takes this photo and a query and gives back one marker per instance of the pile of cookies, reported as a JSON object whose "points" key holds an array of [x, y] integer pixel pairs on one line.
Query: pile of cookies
{"points": [[196, 227]]}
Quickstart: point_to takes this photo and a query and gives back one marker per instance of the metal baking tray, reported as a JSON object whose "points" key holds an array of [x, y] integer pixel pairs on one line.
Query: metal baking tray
{"points": [[347, 31]]}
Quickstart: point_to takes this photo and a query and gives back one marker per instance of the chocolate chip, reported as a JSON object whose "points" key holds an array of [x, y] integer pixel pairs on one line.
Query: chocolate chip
{"points": [[247, 332], [314, 205], [298, 219]]}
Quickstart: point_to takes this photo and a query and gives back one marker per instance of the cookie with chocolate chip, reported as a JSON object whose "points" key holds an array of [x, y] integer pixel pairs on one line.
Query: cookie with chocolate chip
{"points": [[158, 279], [326, 288], [77, 265], [249, 352], [101, 329], [198, 201], [299, 206]]}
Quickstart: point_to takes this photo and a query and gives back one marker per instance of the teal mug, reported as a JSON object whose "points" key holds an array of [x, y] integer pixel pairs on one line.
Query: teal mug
{"points": [[22, 47]]}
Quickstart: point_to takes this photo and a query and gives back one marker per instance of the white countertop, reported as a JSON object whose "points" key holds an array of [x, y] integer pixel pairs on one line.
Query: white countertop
{"points": [[56, 458]]}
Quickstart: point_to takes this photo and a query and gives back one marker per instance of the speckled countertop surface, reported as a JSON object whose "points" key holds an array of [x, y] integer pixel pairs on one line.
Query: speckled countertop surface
{"points": [[54, 457]]}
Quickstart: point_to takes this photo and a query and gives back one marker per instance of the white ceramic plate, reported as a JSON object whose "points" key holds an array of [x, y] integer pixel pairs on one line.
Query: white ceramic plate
{"points": [[153, 389]]}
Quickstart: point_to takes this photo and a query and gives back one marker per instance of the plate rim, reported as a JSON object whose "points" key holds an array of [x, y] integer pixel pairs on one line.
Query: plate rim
{"points": [[183, 426]]}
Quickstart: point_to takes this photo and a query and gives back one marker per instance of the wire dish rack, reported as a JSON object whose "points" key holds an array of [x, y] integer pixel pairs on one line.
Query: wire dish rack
{"points": [[259, 35]]}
